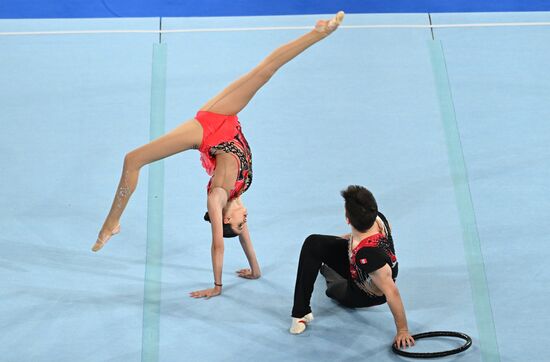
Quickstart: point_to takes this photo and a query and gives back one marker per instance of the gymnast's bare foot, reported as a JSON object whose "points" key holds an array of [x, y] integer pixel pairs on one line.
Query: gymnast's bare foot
{"points": [[326, 27], [104, 236]]}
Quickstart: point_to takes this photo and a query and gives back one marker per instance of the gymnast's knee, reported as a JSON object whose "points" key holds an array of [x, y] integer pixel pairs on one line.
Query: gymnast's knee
{"points": [[311, 243], [265, 73], [132, 161]]}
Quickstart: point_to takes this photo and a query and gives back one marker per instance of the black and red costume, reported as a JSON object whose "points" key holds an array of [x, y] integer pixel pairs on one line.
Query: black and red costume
{"points": [[345, 268]]}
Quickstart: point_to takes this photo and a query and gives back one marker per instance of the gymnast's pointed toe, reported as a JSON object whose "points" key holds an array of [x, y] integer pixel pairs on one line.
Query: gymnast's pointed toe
{"points": [[326, 27]]}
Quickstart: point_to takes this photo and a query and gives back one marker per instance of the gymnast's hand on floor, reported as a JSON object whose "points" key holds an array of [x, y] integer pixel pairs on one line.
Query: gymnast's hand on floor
{"points": [[248, 274], [206, 293], [403, 339]]}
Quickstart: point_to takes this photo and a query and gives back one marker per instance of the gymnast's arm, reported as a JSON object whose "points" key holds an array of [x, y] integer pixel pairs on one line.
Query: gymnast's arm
{"points": [[254, 271], [217, 199], [382, 278]]}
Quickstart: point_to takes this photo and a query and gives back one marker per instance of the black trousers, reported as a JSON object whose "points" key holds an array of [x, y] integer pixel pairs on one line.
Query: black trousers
{"points": [[330, 254]]}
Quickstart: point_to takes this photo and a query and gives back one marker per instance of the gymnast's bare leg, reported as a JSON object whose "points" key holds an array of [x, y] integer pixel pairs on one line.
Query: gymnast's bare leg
{"points": [[237, 95], [189, 134], [186, 136]]}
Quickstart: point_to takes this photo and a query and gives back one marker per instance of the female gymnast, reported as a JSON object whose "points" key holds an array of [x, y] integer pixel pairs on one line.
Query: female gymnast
{"points": [[360, 268], [216, 133]]}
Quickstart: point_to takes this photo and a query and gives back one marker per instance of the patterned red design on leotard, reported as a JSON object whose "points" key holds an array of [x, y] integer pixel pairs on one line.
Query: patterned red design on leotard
{"points": [[378, 240], [224, 133]]}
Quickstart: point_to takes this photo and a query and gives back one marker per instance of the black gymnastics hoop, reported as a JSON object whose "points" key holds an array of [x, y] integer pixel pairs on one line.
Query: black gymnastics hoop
{"points": [[449, 352]]}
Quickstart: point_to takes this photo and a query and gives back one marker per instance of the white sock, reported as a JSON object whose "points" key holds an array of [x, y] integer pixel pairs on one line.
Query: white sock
{"points": [[299, 324]]}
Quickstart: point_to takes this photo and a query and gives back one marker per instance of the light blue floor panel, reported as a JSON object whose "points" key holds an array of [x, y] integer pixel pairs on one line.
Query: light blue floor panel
{"points": [[499, 79], [358, 108], [71, 107]]}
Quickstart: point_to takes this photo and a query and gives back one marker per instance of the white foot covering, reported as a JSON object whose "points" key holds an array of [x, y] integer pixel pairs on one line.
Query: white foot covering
{"points": [[100, 242], [328, 26], [299, 324]]}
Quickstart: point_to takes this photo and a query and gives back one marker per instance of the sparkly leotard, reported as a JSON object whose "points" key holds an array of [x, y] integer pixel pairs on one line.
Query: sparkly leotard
{"points": [[223, 133]]}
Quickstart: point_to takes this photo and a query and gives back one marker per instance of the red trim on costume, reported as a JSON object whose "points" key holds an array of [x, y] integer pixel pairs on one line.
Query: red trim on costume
{"points": [[368, 242]]}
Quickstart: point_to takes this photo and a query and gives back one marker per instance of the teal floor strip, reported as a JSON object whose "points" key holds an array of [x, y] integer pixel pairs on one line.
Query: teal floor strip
{"points": [[155, 203], [472, 247]]}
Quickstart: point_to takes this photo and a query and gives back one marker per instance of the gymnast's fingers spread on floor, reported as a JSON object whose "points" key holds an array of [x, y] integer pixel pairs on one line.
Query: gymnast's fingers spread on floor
{"points": [[244, 273], [248, 274], [206, 293], [196, 294], [403, 340]]}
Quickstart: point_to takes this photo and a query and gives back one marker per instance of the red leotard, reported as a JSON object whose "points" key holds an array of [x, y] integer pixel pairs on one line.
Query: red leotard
{"points": [[223, 133]]}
